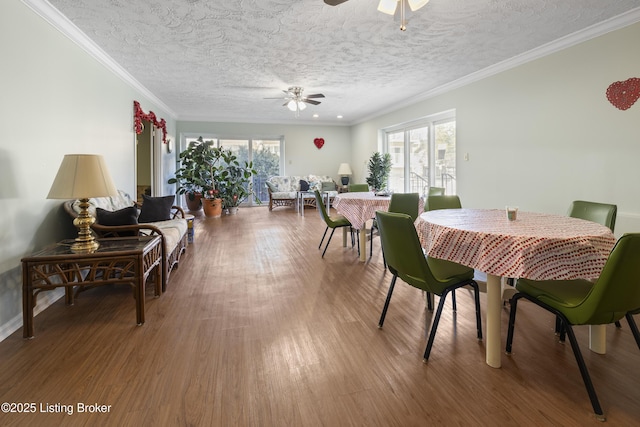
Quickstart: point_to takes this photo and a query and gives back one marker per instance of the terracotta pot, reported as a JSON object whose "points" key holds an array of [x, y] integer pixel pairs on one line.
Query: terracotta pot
{"points": [[212, 207], [194, 202]]}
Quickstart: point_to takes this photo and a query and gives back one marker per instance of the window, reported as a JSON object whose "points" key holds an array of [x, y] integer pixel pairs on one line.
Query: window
{"points": [[423, 154], [266, 155]]}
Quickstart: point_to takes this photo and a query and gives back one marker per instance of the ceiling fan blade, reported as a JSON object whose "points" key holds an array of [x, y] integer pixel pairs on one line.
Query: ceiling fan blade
{"points": [[285, 104], [334, 2], [315, 95], [310, 101]]}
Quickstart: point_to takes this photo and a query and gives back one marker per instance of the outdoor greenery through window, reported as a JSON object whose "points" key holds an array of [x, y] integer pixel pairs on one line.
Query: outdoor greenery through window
{"points": [[423, 154], [265, 154]]}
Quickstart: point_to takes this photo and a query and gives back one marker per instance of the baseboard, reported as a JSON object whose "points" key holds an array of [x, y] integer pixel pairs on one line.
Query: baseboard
{"points": [[44, 301]]}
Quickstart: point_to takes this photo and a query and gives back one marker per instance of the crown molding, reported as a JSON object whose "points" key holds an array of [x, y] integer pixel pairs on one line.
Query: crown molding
{"points": [[61, 23], [617, 22]]}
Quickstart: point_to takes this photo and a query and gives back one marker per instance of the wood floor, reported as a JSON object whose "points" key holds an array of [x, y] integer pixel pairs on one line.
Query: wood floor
{"points": [[256, 329]]}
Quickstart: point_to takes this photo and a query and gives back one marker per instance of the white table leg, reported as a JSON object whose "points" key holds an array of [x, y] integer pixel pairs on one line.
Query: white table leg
{"points": [[363, 243], [301, 207], [598, 338], [494, 312]]}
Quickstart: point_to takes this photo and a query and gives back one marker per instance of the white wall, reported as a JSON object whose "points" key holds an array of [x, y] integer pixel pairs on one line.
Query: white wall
{"points": [[543, 134], [55, 99]]}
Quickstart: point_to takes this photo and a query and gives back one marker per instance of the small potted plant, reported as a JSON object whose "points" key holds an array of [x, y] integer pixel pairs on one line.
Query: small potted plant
{"points": [[212, 203], [379, 169]]}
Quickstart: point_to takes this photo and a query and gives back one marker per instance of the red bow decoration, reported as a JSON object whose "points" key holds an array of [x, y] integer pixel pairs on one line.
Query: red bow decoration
{"points": [[624, 94], [139, 116]]}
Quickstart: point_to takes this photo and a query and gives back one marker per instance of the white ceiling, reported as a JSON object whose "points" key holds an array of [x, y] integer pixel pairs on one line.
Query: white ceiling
{"points": [[217, 60]]}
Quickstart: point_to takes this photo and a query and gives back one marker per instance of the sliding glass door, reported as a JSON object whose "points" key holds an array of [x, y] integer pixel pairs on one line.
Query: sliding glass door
{"points": [[423, 154], [264, 153]]}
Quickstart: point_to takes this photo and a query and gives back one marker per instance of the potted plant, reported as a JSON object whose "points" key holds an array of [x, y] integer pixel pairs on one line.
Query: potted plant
{"points": [[198, 172], [235, 181], [379, 169]]}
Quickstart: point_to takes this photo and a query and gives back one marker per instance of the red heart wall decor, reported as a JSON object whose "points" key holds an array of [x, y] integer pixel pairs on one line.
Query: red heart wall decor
{"points": [[624, 94], [318, 142]]}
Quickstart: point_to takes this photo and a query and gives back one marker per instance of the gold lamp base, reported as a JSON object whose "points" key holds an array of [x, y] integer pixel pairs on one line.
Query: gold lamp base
{"points": [[85, 242]]}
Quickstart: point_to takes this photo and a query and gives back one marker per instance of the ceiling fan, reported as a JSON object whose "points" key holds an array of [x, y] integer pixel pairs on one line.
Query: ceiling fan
{"points": [[296, 102], [389, 7]]}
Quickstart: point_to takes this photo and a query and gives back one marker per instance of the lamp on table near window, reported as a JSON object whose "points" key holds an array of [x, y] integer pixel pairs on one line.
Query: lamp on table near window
{"points": [[82, 176], [344, 171]]}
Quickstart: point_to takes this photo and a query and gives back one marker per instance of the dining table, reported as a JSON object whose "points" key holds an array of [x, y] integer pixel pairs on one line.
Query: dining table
{"points": [[536, 246], [358, 208]]}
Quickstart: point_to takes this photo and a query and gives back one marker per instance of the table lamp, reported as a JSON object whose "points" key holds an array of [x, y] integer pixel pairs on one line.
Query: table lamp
{"points": [[82, 176], [344, 170]]}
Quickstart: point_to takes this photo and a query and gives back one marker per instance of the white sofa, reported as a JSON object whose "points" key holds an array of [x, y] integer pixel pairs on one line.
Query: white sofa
{"points": [[283, 189], [173, 230]]}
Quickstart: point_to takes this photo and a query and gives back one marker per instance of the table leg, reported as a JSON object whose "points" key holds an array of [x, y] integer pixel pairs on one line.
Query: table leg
{"points": [[363, 243], [27, 305], [344, 237], [598, 338], [494, 312]]}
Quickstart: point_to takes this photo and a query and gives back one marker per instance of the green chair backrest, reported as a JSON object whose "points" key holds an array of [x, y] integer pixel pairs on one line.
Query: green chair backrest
{"points": [[323, 210], [358, 188], [442, 202], [405, 203], [617, 290], [602, 213], [404, 256], [436, 191]]}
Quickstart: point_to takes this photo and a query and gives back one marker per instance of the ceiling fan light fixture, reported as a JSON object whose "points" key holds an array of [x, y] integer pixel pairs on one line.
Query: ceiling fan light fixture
{"points": [[388, 6], [291, 105], [301, 105], [417, 4]]}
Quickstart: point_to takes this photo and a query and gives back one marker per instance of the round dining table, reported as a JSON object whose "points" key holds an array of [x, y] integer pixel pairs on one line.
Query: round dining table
{"points": [[358, 208], [535, 246]]}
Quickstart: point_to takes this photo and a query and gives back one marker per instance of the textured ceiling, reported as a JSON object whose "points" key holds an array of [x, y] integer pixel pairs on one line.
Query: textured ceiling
{"points": [[217, 60]]}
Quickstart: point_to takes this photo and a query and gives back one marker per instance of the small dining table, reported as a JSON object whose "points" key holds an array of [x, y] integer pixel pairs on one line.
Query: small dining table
{"points": [[358, 208], [535, 246]]}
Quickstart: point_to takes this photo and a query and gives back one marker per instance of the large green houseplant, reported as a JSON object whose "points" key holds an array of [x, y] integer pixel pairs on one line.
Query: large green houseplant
{"points": [[379, 169], [199, 172], [235, 180]]}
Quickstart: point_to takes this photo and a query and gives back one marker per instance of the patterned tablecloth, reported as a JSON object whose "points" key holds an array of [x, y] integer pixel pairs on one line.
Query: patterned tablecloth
{"points": [[358, 208], [536, 246]]}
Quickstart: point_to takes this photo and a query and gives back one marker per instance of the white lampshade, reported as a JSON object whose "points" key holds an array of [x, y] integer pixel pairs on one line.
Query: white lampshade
{"points": [[388, 6], [291, 105], [301, 105], [82, 176], [344, 169]]}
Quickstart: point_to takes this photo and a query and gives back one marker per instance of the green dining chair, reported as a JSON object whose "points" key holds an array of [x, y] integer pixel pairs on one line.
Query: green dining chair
{"points": [[602, 213], [358, 188], [437, 202], [406, 203], [436, 191], [442, 202], [582, 302], [332, 222], [407, 261]]}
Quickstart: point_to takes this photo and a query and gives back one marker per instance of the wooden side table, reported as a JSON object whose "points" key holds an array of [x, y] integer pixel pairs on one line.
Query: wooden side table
{"points": [[118, 260]]}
